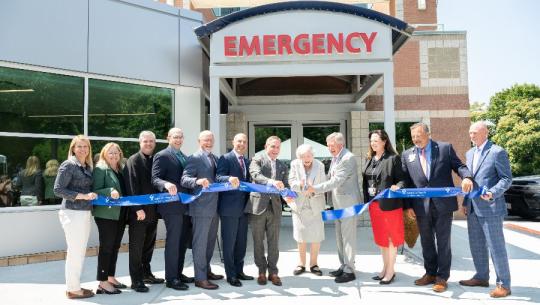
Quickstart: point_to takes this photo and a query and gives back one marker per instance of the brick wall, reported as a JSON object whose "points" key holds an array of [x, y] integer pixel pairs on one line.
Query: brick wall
{"points": [[407, 65], [413, 15]]}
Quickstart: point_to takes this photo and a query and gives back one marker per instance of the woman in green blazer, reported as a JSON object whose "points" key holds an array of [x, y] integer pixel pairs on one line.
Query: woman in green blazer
{"points": [[110, 220]]}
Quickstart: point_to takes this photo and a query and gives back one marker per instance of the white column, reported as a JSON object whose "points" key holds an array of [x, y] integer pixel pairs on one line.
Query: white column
{"points": [[215, 125], [388, 102], [188, 107]]}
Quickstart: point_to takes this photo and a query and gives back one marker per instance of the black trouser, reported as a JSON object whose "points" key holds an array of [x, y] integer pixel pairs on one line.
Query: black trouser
{"points": [[142, 238], [110, 238]]}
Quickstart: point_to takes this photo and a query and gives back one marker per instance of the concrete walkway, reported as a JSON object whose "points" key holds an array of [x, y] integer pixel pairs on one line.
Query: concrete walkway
{"points": [[44, 283]]}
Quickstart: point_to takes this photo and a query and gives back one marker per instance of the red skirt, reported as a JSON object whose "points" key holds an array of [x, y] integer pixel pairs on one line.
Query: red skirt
{"points": [[386, 225]]}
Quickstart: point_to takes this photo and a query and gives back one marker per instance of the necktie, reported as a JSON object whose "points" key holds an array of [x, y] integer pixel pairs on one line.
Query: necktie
{"points": [[273, 164], [212, 160], [181, 158], [423, 162], [242, 165]]}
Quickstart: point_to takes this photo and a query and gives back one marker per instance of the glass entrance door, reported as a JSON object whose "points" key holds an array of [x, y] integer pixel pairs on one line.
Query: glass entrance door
{"points": [[292, 134]]}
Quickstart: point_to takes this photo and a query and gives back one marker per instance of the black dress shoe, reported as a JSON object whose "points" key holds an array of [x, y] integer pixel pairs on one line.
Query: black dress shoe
{"points": [[234, 282], [299, 270], [186, 279], [119, 286], [176, 285], [214, 277], [336, 273], [139, 286], [151, 279], [315, 270], [242, 276], [345, 277], [376, 278], [206, 284], [383, 282], [101, 290]]}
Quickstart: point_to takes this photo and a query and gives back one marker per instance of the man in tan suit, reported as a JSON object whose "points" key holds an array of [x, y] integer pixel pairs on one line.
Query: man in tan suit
{"points": [[343, 183]]}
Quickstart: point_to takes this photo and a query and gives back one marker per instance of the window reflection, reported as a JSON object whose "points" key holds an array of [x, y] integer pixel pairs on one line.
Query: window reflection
{"points": [[123, 110], [39, 102], [20, 154]]}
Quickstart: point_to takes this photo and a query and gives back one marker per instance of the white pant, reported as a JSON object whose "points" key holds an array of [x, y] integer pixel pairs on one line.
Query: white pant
{"points": [[76, 225]]}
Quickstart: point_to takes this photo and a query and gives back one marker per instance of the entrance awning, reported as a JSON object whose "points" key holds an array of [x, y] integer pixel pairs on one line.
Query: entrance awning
{"points": [[400, 30], [250, 3]]}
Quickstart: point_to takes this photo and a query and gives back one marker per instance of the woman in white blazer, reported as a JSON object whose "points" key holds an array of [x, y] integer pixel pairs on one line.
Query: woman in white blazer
{"points": [[308, 226]]}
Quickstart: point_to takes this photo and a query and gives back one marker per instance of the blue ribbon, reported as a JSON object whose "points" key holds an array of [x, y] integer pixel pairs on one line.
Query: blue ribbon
{"points": [[401, 193], [161, 198]]}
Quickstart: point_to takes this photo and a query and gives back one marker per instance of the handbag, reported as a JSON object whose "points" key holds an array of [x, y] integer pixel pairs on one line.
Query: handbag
{"points": [[411, 230], [28, 200]]}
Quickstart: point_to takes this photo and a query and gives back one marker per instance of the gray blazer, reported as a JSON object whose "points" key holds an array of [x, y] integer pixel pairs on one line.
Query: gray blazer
{"points": [[260, 170], [493, 172], [342, 181], [198, 167]]}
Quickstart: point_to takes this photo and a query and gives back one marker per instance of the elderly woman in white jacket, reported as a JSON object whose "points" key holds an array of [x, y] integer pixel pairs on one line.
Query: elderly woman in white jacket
{"points": [[308, 226]]}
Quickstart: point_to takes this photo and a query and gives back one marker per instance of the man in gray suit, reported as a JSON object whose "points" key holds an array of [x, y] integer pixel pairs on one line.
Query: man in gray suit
{"points": [[490, 167], [265, 209], [199, 173], [343, 182]]}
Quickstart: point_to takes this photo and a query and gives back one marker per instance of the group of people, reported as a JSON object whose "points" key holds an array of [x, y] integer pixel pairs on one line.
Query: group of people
{"points": [[428, 164], [30, 186]]}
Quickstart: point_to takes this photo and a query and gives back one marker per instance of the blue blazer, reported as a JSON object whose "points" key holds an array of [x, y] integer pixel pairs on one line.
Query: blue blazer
{"points": [[232, 203], [443, 161], [493, 172], [197, 167], [167, 168]]}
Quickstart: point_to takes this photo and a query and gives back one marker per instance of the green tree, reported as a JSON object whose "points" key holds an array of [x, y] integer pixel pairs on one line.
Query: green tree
{"points": [[499, 102], [518, 130], [478, 111]]}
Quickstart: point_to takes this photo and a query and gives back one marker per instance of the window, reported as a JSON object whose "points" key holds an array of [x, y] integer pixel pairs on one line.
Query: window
{"points": [[15, 151], [39, 102], [123, 110], [443, 63]]}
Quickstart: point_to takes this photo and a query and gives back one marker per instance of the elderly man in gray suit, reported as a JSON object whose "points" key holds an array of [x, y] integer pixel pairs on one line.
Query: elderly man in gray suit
{"points": [[343, 182], [265, 209], [199, 173]]}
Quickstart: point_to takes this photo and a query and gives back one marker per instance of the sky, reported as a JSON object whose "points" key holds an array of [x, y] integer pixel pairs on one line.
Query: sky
{"points": [[503, 42]]}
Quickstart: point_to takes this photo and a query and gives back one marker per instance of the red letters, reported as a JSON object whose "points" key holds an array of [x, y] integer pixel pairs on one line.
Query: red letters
{"points": [[284, 41], [255, 46], [301, 44], [305, 44], [368, 41], [230, 45], [348, 42], [269, 45], [332, 43]]}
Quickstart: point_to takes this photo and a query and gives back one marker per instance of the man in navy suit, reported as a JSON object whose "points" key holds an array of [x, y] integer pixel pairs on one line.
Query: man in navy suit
{"points": [[199, 173], [166, 174], [430, 164], [233, 167], [490, 166]]}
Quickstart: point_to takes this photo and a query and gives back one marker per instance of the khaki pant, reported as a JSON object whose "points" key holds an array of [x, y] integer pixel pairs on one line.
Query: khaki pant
{"points": [[76, 225]]}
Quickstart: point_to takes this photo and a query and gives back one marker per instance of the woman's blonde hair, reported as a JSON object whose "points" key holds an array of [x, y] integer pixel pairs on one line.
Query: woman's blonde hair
{"points": [[81, 138], [103, 153], [32, 166], [51, 168]]}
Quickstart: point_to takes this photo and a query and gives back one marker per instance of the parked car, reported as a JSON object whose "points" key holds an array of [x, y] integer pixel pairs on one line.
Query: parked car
{"points": [[523, 197]]}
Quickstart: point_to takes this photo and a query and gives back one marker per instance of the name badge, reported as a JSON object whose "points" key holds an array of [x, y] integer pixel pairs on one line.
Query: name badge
{"points": [[372, 191]]}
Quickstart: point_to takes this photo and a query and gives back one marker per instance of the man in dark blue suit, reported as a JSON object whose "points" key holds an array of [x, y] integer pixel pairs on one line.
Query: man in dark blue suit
{"points": [[199, 173], [430, 164], [233, 167], [166, 175]]}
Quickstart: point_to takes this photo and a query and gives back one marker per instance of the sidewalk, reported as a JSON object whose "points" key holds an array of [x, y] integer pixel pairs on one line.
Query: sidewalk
{"points": [[44, 283]]}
